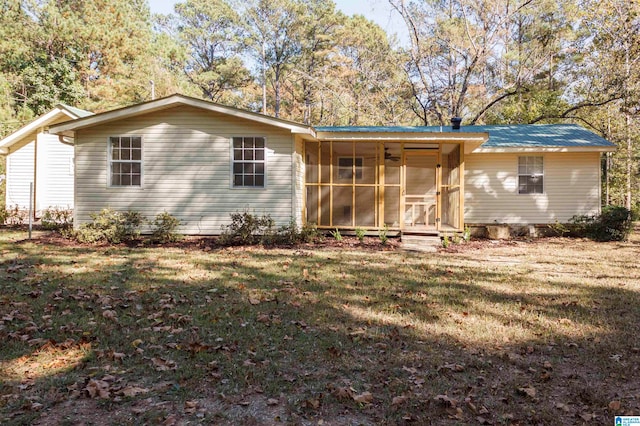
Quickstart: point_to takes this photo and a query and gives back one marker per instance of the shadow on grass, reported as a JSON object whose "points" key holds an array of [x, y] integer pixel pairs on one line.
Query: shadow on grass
{"points": [[433, 340]]}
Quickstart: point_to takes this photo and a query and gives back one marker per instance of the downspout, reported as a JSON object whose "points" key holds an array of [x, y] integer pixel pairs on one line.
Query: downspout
{"points": [[33, 196], [65, 140]]}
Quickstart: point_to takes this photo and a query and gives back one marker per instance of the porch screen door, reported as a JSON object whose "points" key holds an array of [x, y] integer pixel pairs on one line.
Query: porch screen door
{"points": [[420, 190]]}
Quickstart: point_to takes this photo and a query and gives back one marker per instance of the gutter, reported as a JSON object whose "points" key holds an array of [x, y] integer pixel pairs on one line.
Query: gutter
{"points": [[66, 140]]}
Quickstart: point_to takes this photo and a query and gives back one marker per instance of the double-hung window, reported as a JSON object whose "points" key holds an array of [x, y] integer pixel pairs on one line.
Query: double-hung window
{"points": [[125, 161], [530, 175], [248, 162]]}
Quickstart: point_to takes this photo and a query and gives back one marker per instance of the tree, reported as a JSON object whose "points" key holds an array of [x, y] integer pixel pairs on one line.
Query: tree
{"points": [[366, 85], [274, 35], [211, 30], [612, 36], [469, 57]]}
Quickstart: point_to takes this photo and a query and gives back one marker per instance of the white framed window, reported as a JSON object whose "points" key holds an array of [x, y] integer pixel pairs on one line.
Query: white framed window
{"points": [[125, 161], [248, 162], [530, 175], [346, 167]]}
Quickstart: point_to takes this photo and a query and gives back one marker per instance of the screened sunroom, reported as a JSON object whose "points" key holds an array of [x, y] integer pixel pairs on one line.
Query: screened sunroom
{"points": [[406, 185]]}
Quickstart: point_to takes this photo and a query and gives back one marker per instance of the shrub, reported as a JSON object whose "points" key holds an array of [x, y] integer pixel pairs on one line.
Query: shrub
{"points": [[613, 224], [466, 235], [13, 216], [309, 233], [336, 235], [360, 233], [383, 234], [55, 219], [111, 226], [247, 228], [164, 228]]}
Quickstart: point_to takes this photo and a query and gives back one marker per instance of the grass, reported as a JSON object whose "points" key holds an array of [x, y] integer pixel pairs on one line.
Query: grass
{"points": [[541, 332]]}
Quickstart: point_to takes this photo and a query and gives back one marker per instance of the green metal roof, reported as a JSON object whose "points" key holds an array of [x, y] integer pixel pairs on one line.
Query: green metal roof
{"points": [[79, 113], [501, 136]]}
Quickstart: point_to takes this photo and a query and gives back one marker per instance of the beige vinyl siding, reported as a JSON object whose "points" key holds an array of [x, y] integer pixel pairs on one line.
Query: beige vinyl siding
{"points": [[20, 174], [571, 187], [55, 173], [298, 173], [186, 169]]}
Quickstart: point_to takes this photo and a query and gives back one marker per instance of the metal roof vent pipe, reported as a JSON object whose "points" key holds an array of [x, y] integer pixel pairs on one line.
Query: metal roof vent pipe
{"points": [[455, 123]]}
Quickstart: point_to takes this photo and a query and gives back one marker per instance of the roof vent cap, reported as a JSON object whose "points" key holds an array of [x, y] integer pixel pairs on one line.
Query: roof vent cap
{"points": [[455, 123]]}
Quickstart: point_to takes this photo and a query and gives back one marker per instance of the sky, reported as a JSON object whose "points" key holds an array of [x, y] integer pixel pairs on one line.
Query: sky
{"points": [[378, 11]]}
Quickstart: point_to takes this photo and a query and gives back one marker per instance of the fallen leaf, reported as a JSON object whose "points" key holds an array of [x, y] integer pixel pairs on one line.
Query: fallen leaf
{"points": [[529, 391], [254, 300], [445, 400], [132, 391], [615, 405], [172, 420], [364, 398], [272, 401], [97, 389], [398, 400], [343, 392], [313, 403], [110, 315], [164, 364], [190, 407]]}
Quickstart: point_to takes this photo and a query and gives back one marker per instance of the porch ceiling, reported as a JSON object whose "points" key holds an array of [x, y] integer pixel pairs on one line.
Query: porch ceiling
{"points": [[470, 141]]}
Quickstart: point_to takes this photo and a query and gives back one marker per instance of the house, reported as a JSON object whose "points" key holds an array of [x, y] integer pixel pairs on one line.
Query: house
{"points": [[34, 156], [202, 161]]}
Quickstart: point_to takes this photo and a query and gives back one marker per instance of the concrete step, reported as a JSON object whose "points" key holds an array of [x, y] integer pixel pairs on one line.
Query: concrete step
{"points": [[423, 243]]}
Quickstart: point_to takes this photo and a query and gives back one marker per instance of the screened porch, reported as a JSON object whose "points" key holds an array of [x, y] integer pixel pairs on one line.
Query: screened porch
{"points": [[406, 186]]}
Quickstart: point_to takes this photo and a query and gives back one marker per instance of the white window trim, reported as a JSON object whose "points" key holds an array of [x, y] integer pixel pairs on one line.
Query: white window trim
{"points": [[110, 160], [353, 174], [264, 163], [544, 189]]}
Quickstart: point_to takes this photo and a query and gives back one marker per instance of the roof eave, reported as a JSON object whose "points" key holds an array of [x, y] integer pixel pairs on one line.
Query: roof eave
{"points": [[170, 102], [507, 150], [32, 127], [401, 136]]}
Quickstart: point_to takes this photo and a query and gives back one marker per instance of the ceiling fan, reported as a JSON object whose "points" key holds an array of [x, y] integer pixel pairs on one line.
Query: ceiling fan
{"points": [[389, 156]]}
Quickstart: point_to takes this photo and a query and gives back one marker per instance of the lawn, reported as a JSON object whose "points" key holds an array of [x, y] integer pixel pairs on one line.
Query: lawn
{"points": [[538, 332]]}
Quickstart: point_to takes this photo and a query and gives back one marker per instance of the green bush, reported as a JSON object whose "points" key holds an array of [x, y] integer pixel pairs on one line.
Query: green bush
{"points": [[164, 228], [13, 216], [55, 219], [383, 234], [309, 233], [360, 234], [336, 235], [111, 226], [613, 224], [246, 229]]}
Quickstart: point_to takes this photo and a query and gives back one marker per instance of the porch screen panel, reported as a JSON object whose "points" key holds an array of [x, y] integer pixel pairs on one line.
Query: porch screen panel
{"points": [[392, 206], [342, 206], [450, 206], [312, 204], [451, 196], [366, 154], [325, 206], [345, 168], [365, 206], [392, 164], [325, 163], [312, 162]]}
